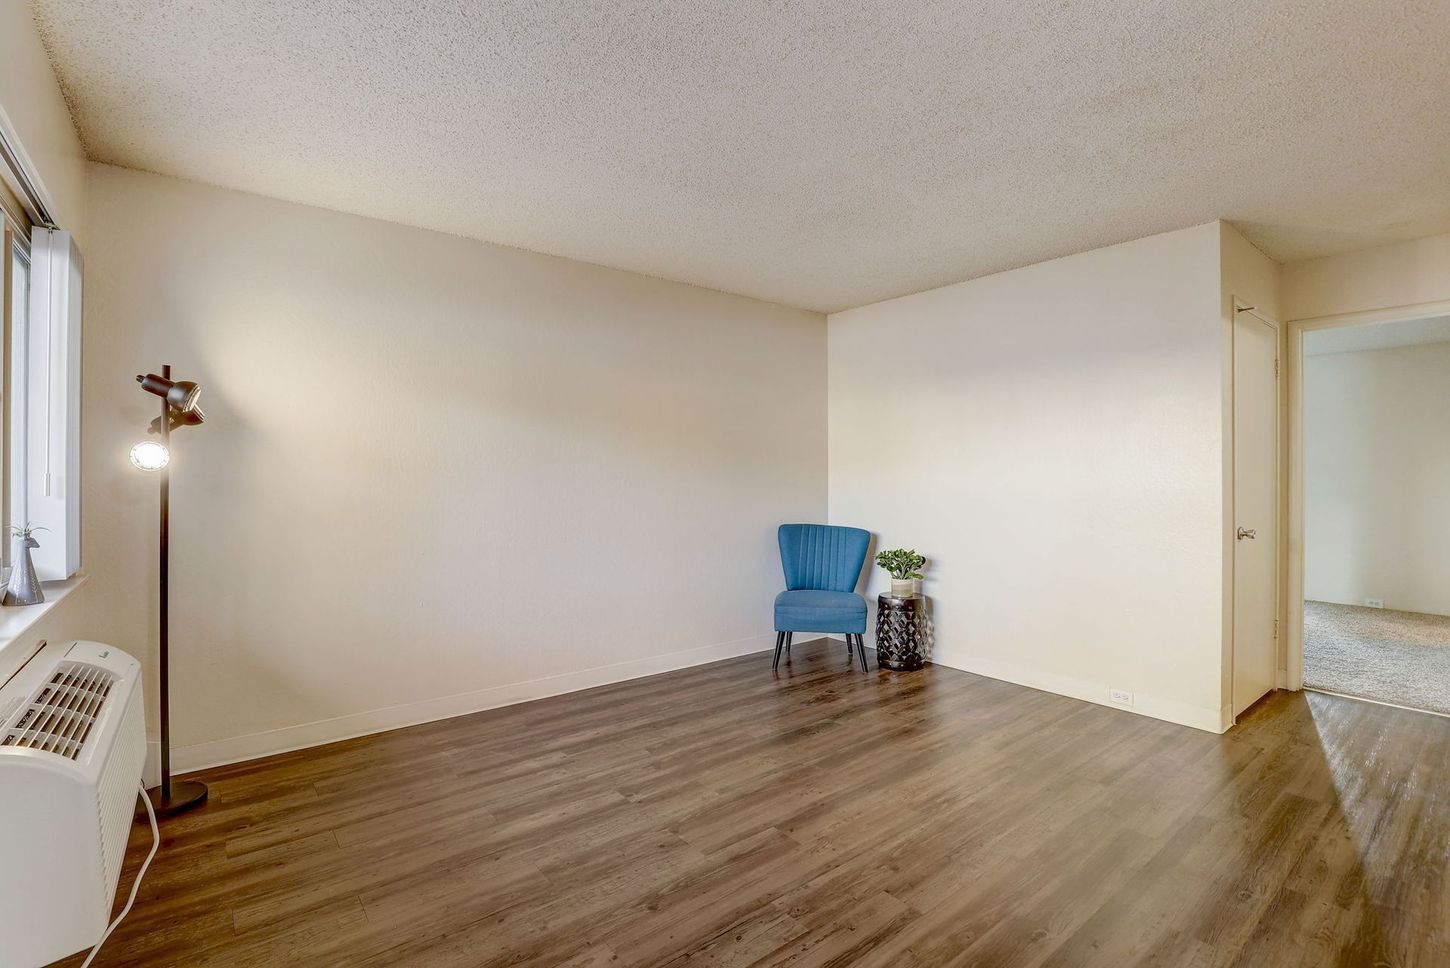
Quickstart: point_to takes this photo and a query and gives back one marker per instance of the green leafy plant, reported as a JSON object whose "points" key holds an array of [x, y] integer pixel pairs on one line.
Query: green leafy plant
{"points": [[25, 530], [902, 564]]}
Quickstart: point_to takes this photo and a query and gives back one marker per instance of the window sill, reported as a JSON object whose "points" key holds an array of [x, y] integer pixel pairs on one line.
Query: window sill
{"points": [[16, 620]]}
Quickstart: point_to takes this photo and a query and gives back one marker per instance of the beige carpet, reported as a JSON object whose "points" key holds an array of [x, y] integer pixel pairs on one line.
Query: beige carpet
{"points": [[1397, 657]]}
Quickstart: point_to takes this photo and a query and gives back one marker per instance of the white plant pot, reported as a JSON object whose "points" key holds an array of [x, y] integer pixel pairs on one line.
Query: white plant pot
{"points": [[903, 587]]}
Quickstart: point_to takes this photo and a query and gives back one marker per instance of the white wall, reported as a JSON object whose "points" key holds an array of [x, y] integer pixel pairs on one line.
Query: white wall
{"points": [[1377, 477], [1402, 274], [31, 99], [1052, 438], [431, 467]]}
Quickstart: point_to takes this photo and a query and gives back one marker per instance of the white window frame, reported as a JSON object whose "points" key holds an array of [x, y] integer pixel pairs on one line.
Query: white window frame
{"points": [[42, 370], [16, 249]]}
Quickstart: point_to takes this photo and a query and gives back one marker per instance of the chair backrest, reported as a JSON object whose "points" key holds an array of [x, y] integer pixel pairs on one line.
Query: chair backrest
{"points": [[822, 556]]}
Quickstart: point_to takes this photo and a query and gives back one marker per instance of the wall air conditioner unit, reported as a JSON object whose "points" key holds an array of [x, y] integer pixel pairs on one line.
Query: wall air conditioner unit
{"points": [[72, 747]]}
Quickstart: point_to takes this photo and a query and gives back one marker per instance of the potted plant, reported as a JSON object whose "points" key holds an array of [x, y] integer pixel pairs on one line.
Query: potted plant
{"points": [[905, 569], [23, 587]]}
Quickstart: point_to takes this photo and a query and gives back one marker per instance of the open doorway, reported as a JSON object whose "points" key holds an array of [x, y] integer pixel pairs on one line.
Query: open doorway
{"points": [[1374, 440]]}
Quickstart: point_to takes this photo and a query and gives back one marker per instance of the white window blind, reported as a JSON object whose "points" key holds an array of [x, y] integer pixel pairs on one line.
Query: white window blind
{"points": [[51, 398]]}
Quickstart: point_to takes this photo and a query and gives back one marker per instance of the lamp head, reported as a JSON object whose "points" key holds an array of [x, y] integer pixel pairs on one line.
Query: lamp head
{"points": [[189, 418], [150, 455], [179, 394]]}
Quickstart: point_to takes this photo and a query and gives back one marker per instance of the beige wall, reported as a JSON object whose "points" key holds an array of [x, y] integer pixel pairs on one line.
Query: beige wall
{"points": [[1377, 477], [1402, 274], [31, 100], [1052, 438], [431, 467], [32, 103]]}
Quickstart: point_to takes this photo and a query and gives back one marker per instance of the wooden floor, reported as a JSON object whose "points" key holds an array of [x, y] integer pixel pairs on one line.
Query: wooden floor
{"points": [[725, 816]]}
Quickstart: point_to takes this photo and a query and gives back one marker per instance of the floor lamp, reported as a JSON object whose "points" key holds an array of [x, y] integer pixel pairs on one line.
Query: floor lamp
{"points": [[178, 409]]}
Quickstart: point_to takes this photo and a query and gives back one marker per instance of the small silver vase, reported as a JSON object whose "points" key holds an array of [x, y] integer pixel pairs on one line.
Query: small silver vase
{"points": [[23, 587]]}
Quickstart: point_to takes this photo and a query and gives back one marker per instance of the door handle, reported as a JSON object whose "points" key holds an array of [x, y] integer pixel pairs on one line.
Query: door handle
{"points": [[1247, 533]]}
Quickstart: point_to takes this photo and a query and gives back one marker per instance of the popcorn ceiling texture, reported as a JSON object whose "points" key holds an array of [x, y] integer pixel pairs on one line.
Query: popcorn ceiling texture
{"points": [[822, 153]]}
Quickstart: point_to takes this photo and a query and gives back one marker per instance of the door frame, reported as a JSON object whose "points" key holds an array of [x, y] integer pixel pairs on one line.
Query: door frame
{"points": [[1294, 545], [1240, 305]]}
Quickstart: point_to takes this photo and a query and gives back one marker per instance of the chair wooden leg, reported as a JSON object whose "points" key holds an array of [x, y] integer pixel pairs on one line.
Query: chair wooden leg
{"points": [[779, 643], [788, 637], [861, 647]]}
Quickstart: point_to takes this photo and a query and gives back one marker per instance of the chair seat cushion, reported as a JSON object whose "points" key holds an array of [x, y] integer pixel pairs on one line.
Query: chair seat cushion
{"points": [[808, 610]]}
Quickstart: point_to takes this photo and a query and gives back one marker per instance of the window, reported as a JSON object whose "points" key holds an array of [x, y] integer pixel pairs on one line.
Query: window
{"points": [[41, 366]]}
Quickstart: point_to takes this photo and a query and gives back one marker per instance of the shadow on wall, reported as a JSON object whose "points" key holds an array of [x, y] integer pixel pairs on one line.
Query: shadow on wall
{"points": [[431, 466]]}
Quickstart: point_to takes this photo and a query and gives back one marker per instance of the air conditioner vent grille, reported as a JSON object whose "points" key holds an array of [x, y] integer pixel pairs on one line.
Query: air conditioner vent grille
{"points": [[60, 715]]}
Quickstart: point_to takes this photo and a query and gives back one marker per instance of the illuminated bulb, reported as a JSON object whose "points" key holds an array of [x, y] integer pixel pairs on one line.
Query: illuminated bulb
{"points": [[150, 455]]}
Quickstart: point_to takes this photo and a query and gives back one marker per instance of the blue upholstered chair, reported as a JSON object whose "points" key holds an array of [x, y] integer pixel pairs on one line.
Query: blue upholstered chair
{"points": [[822, 564]]}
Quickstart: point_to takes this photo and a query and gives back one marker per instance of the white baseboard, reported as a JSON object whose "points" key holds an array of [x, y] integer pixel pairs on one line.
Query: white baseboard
{"points": [[1154, 707], [238, 748], [303, 735]]}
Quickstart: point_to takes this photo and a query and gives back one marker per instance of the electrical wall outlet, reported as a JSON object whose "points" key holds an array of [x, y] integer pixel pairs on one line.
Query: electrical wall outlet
{"points": [[1122, 696], [1374, 603]]}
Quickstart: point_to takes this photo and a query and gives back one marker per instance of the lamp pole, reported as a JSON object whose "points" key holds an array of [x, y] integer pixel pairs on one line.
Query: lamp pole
{"points": [[169, 798], [165, 583]]}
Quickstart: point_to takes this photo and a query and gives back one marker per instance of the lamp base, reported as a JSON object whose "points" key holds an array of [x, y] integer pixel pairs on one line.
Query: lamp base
{"points": [[185, 794]]}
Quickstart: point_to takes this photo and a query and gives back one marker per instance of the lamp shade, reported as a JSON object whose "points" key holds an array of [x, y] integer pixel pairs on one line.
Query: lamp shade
{"points": [[178, 418], [150, 455], [181, 394]]}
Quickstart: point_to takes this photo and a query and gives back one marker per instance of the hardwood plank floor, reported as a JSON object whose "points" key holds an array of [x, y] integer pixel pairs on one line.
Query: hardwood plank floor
{"points": [[724, 816]]}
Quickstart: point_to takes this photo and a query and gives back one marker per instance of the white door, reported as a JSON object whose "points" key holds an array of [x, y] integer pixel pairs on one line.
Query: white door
{"points": [[1256, 500]]}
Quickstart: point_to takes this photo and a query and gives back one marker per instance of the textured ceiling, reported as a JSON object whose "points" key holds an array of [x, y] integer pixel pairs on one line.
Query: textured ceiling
{"points": [[819, 153]]}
